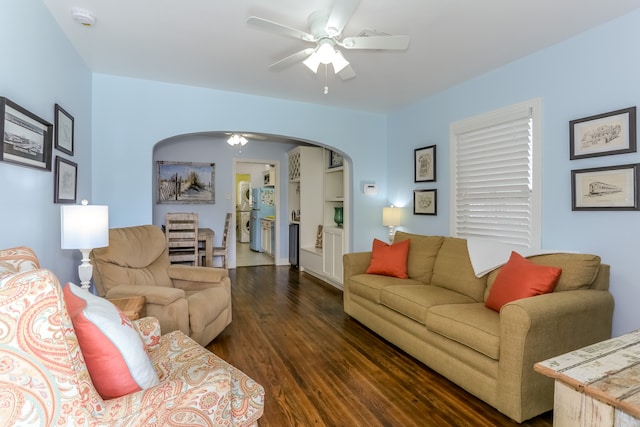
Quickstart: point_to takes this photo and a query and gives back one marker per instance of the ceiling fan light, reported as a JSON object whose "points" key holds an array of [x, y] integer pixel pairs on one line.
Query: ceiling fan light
{"points": [[236, 139], [312, 62], [339, 62], [326, 53]]}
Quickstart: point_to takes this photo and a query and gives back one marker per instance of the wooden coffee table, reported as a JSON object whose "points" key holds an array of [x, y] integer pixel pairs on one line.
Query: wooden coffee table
{"points": [[132, 307]]}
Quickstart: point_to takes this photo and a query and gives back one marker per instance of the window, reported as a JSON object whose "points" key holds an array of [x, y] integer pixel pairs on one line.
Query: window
{"points": [[495, 175]]}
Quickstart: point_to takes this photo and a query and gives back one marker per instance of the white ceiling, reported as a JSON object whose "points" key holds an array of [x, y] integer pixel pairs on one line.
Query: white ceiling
{"points": [[208, 43]]}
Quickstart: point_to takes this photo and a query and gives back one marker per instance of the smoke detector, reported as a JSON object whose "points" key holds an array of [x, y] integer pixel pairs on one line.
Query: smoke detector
{"points": [[83, 16]]}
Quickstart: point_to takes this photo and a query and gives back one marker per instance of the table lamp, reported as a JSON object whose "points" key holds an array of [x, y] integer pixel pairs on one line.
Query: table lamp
{"points": [[391, 219], [84, 227]]}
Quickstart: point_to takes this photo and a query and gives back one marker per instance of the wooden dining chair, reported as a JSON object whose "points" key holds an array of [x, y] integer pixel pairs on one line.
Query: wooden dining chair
{"points": [[181, 231], [222, 250]]}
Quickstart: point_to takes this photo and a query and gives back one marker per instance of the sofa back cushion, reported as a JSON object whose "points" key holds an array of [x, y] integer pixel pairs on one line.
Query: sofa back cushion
{"points": [[453, 270], [17, 260], [579, 271], [422, 254]]}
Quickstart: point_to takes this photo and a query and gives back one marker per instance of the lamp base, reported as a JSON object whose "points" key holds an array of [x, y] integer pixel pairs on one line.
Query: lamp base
{"points": [[391, 234], [85, 269]]}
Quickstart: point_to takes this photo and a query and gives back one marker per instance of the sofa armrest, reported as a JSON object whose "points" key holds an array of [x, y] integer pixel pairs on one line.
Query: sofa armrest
{"points": [[537, 328], [192, 278], [160, 295], [149, 330], [352, 264]]}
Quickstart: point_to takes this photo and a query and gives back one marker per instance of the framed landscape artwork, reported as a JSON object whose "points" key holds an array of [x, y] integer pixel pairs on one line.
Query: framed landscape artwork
{"points": [[424, 164], [603, 134], [607, 188], [186, 183], [27, 139]]}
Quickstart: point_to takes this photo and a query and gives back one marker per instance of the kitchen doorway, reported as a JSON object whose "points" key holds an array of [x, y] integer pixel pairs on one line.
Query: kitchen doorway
{"points": [[256, 209]]}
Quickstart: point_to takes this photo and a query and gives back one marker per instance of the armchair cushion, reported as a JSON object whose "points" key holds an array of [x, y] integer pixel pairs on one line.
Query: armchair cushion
{"points": [[114, 352]]}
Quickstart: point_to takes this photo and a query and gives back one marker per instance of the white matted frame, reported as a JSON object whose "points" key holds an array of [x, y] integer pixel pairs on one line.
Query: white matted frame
{"points": [[64, 130], [603, 134], [425, 202], [66, 181], [424, 164], [607, 188]]}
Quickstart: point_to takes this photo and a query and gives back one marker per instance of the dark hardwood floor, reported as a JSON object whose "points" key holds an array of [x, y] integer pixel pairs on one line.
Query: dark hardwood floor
{"points": [[319, 367]]}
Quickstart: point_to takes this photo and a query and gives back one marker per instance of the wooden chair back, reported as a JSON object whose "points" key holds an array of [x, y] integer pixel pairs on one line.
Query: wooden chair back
{"points": [[222, 250], [181, 231]]}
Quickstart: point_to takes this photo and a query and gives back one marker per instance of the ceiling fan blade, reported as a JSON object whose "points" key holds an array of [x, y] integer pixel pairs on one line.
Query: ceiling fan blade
{"points": [[346, 73], [376, 42], [340, 15], [265, 24], [291, 59]]}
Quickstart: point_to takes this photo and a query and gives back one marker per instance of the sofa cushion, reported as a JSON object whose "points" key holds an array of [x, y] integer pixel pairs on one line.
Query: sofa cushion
{"points": [[17, 260], [414, 300], [113, 351], [473, 325], [579, 271], [389, 260], [422, 254], [453, 270], [520, 278], [368, 286]]}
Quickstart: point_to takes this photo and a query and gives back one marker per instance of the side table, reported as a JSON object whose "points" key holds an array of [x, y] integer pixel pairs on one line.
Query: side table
{"points": [[132, 307], [598, 385]]}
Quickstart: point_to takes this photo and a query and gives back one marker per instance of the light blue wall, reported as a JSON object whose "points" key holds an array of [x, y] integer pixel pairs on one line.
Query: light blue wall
{"points": [[590, 74], [39, 68], [130, 116]]}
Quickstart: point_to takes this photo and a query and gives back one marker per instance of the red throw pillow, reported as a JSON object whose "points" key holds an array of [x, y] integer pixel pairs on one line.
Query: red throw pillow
{"points": [[521, 278], [389, 260]]}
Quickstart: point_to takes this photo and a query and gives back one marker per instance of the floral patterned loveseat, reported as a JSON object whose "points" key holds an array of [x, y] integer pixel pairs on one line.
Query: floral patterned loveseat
{"points": [[44, 380]]}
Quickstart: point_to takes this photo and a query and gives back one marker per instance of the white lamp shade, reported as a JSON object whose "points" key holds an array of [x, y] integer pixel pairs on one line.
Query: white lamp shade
{"points": [[312, 62], [391, 216], [339, 62], [84, 226]]}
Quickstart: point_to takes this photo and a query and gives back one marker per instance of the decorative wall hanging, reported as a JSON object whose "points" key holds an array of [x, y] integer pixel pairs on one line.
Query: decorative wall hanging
{"points": [[27, 139], [603, 134], [186, 183], [66, 181], [425, 202], [335, 159], [607, 188], [425, 164], [64, 130]]}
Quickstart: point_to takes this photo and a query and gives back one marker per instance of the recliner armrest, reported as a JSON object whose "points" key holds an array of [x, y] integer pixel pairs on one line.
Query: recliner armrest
{"points": [[197, 274], [161, 295]]}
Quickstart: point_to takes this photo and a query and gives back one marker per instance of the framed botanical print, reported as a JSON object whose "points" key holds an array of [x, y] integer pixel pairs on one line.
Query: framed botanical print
{"points": [[425, 202], [64, 130], [66, 181], [424, 164]]}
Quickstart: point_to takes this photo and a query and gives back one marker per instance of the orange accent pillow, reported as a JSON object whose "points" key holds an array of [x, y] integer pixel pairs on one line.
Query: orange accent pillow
{"points": [[521, 278], [389, 260]]}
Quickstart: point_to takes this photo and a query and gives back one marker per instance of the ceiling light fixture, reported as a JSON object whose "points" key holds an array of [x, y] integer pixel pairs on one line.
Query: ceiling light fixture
{"points": [[237, 139], [83, 16]]}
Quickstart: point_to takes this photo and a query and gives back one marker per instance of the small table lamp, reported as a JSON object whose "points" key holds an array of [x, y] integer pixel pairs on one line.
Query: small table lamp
{"points": [[84, 227], [391, 219]]}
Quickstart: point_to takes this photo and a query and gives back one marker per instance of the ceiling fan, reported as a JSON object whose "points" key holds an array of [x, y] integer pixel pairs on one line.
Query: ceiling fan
{"points": [[325, 30]]}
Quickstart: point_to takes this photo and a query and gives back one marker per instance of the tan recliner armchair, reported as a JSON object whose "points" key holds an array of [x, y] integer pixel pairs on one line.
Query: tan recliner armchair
{"points": [[194, 300]]}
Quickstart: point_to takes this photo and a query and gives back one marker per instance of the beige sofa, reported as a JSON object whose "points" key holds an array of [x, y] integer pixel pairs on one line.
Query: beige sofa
{"points": [[438, 316]]}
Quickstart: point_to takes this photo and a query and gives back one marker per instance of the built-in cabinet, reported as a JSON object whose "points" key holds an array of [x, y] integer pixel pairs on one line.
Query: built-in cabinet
{"points": [[315, 191], [267, 236]]}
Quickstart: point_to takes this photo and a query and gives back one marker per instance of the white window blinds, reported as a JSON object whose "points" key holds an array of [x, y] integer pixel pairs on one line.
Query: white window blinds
{"points": [[495, 164]]}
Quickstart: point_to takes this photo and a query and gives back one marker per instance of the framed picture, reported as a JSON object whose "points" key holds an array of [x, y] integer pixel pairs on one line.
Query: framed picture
{"points": [[66, 181], [604, 134], [64, 130], [608, 188], [335, 159], [27, 138], [186, 183], [425, 164], [425, 202]]}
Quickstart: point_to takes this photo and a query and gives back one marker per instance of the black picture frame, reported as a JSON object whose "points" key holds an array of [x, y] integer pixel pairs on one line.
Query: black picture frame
{"points": [[335, 159], [176, 185], [425, 202], [66, 181], [27, 138], [424, 164], [64, 130], [603, 134], [605, 188]]}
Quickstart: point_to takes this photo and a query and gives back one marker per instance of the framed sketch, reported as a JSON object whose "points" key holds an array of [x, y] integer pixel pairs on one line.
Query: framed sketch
{"points": [[425, 202], [425, 164], [27, 139], [335, 159], [186, 183], [607, 188], [64, 130], [66, 181], [603, 134]]}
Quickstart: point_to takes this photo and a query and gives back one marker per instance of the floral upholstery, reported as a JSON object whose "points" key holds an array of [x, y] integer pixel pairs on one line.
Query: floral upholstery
{"points": [[16, 260], [44, 380]]}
